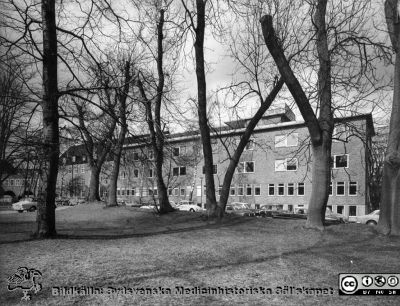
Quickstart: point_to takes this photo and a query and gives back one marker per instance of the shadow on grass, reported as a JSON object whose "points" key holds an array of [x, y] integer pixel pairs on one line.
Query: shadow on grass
{"points": [[113, 235]]}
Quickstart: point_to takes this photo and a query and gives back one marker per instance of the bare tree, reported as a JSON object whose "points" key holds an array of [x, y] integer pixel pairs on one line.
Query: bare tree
{"points": [[121, 97], [197, 23], [335, 52], [389, 220]]}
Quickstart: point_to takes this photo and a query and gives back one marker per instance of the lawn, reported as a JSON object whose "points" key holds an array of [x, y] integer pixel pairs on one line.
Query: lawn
{"points": [[128, 249]]}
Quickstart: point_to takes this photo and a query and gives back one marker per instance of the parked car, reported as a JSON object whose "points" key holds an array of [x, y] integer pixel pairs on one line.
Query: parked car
{"points": [[151, 205], [28, 204], [186, 205], [370, 219], [331, 216], [240, 209]]}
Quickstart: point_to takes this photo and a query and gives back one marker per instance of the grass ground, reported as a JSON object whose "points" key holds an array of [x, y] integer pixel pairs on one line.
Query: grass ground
{"points": [[125, 247]]}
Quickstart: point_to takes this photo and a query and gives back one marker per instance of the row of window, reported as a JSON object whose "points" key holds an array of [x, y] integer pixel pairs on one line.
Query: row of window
{"points": [[77, 168], [352, 188], [280, 189]]}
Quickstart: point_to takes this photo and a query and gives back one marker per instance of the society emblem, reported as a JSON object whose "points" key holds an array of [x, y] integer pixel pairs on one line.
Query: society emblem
{"points": [[380, 281], [349, 284]]}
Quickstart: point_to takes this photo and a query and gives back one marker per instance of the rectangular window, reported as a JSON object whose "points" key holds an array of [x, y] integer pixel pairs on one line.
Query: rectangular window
{"points": [[176, 192], [339, 209], [292, 140], [249, 167], [118, 192], [150, 154], [280, 141], [182, 170], [340, 188], [175, 151], [133, 191], [281, 189], [288, 164], [170, 191], [240, 190], [353, 188], [287, 140], [290, 189], [249, 190], [135, 172], [232, 191], [150, 191], [257, 190], [271, 189], [330, 189], [340, 161], [144, 192], [155, 191], [183, 192], [175, 171], [122, 191], [300, 189], [291, 164], [135, 156], [352, 210], [151, 172], [127, 192]]}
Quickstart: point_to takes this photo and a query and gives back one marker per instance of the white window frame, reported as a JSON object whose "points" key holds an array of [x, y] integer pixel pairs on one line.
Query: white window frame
{"points": [[287, 189], [298, 188], [277, 189], [257, 186], [273, 186], [344, 189], [334, 161], [251, 190], [283, 163], [348, 189], [232, 189], [135, 170], [243, 167], [330, 190], [281, 141], [151, 173], [240, 190]]}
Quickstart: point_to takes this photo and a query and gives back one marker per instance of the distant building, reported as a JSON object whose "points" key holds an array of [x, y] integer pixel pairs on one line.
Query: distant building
{"points": [[274, 170]]}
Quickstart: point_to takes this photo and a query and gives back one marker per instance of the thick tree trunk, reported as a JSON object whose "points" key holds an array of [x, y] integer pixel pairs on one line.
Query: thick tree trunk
{"points": [[389, 219], [202, 110], [46, 221], [320, 129], [112, 191], [320, 186], [94, 184]]}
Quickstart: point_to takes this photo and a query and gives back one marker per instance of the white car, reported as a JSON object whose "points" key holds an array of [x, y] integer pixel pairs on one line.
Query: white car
{"points": [[28, 204], [188, 206], [370, 219]]}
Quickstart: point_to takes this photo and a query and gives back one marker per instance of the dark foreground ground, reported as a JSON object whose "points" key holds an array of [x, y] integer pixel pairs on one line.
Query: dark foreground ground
{"points": [[174, 257]]}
